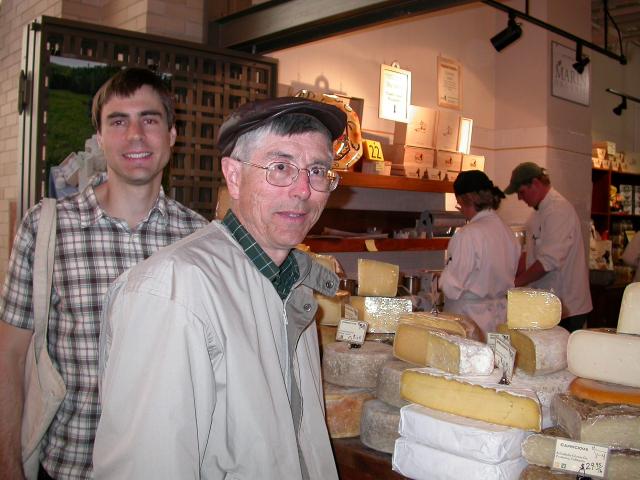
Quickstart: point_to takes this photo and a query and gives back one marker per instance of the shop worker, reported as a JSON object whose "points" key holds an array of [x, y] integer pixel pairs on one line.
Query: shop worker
{"points": [[555, 259], [209, 355], [121, 218], [483, 255]]}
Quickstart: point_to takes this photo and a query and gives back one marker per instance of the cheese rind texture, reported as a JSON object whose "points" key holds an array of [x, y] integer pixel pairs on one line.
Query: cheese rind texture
{"points": [[354, 367], [607, 424], [474, 439], [459, 325], [539, 449], [532, 308], [609, 357], [604, 392], [629, 317], [539, 352], [421, 462], [344, 408], [377, 279], [379, 425], [480, 398], [388, 387], [534, 472], [381, 313]]}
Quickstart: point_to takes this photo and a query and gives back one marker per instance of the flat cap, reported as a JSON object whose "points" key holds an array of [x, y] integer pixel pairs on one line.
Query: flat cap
{"points": [[252, 115], [523, 173]]}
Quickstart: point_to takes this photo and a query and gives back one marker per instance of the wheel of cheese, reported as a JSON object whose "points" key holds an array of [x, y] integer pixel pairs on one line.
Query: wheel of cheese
{"points": [[379, 425], [539, 352], [354, 367], [388, 388], [604, 392], [344, 408]]}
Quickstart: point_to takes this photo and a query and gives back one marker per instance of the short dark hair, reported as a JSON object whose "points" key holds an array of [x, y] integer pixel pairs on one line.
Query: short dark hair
{"points": [[124, 84]]}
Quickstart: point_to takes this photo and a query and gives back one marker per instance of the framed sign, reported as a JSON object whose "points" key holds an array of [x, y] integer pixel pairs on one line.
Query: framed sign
{"points": [[566, 82], [395, 93], [449, 83]]}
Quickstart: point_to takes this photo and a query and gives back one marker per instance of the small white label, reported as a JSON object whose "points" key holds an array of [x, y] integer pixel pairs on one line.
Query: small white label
{"points": [[505, 357], [491, 339], [351, 331], [350, 312], [583, 458]]}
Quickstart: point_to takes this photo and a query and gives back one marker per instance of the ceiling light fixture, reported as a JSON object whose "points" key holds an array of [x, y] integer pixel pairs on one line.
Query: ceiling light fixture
{"points": [[506, 37], [581, 61], [623, 106], [623, 103]]}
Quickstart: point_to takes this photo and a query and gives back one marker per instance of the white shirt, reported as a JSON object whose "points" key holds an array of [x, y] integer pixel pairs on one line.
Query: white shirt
{"points": [[554, 238], [481, 267]]}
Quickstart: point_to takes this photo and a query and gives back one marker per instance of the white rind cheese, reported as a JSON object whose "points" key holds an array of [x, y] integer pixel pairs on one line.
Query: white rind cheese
{"points": [[539, 352], [532, 308], [609, 357], [377, 279], [379, 425], [629, 318], [420, 462], [388, 387], [354, 367], [474, 439]]}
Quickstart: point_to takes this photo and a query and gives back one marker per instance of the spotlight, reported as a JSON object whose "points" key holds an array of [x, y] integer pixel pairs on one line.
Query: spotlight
{"points": [[507, 36], [623, 106], [581, 61]]}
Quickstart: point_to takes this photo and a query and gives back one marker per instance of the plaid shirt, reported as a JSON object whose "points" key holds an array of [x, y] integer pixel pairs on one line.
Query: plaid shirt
{"points": [[92, 250], [282, 277]]}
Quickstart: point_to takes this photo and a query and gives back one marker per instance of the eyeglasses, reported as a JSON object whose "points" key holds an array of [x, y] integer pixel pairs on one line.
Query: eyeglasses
{"points": [[283, 174]]}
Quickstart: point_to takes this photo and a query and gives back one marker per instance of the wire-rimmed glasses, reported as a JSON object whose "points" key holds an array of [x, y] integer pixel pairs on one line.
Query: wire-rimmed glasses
{"points": [[283, 174]]}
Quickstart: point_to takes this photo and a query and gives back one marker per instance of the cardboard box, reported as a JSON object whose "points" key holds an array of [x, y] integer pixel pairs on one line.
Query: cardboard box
{"points": [[451, 176], [420, 130], [376, 167], [447, 130], [596, 162], [472, 162], [436, 174], [598, 152], [609, 147], [448, 160]]}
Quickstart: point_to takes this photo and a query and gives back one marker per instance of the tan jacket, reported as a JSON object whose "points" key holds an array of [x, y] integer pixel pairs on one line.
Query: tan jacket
{"points": [[194, 369]]}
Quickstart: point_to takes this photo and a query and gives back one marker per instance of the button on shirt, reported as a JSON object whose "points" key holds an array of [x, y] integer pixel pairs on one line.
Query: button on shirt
{"points": [[92, 250]]}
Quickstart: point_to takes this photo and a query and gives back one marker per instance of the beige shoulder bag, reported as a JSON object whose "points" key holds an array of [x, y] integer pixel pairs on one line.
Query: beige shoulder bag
{"points": [[44, 388]]}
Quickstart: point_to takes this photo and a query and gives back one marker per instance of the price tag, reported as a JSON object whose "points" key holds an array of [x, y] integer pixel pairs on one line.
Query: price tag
{"points": [[373, 150], [351, 331], [491, 341], [583, 458], [350, 312], [505, 357]]}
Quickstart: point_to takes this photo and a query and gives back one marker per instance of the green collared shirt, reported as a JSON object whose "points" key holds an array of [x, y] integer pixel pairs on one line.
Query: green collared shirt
{"points": [[282, 277]]}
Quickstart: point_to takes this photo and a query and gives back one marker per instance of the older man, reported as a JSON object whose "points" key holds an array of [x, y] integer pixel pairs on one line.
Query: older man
{"points": [[555, 257], [210, 359]]}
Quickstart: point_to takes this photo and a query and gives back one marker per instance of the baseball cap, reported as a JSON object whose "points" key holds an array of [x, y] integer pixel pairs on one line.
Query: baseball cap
{"points": [[252, 115], [523, 173]]}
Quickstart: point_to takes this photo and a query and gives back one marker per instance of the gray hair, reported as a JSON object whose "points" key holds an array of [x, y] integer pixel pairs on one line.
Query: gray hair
{"points": [[481, 200]]}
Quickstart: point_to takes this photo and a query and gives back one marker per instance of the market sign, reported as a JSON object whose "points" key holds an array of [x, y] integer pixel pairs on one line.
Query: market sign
{"points": [[566, 82]]}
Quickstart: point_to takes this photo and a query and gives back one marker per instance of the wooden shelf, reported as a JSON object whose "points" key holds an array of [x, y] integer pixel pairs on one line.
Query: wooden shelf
{"points": [[391, 182], [318, 245]]}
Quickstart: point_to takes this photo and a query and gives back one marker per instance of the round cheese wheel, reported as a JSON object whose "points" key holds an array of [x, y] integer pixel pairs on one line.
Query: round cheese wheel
{"points": [[604, 392], [388, 388], [379, 425], [343, 407], [354, 367]]}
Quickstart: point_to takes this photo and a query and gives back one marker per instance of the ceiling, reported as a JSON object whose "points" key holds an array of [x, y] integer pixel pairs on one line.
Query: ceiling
{"points": [[625, 13]]}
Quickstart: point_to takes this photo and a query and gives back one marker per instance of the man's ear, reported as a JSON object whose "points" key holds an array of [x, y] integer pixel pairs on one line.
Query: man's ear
{"points": [[232, 174]]}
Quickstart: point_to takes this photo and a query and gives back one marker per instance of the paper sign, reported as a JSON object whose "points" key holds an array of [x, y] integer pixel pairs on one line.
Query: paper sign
{"points": [[505, 357], [350, 312], [491, 339], [583, 458], [351, 331]]}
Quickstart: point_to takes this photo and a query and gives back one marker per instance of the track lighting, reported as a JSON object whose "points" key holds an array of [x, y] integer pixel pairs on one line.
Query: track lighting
{"points": [[581, 61], [507, 36], [623, 106]]}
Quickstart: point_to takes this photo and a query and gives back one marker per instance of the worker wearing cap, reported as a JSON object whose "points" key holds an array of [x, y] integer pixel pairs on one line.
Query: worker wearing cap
{"points": [[555, 257], [209, 357], [482, 256]]}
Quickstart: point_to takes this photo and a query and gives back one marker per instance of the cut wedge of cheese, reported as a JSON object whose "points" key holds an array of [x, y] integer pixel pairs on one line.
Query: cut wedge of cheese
{"points": [[326, 334], [422, 346], [585, 421], [354, 367], [379, 425], [381, 313], [446, 322], [480, 398], [532, 308], [539, 352], [388, 387], [604, 392], [331, 309], [474, 439], [377, 279], [344, 409], [609, 357], [629, 317]]}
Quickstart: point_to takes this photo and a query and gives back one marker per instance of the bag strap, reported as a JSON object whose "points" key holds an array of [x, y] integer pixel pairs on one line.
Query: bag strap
{"points": [[43, 272]]}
